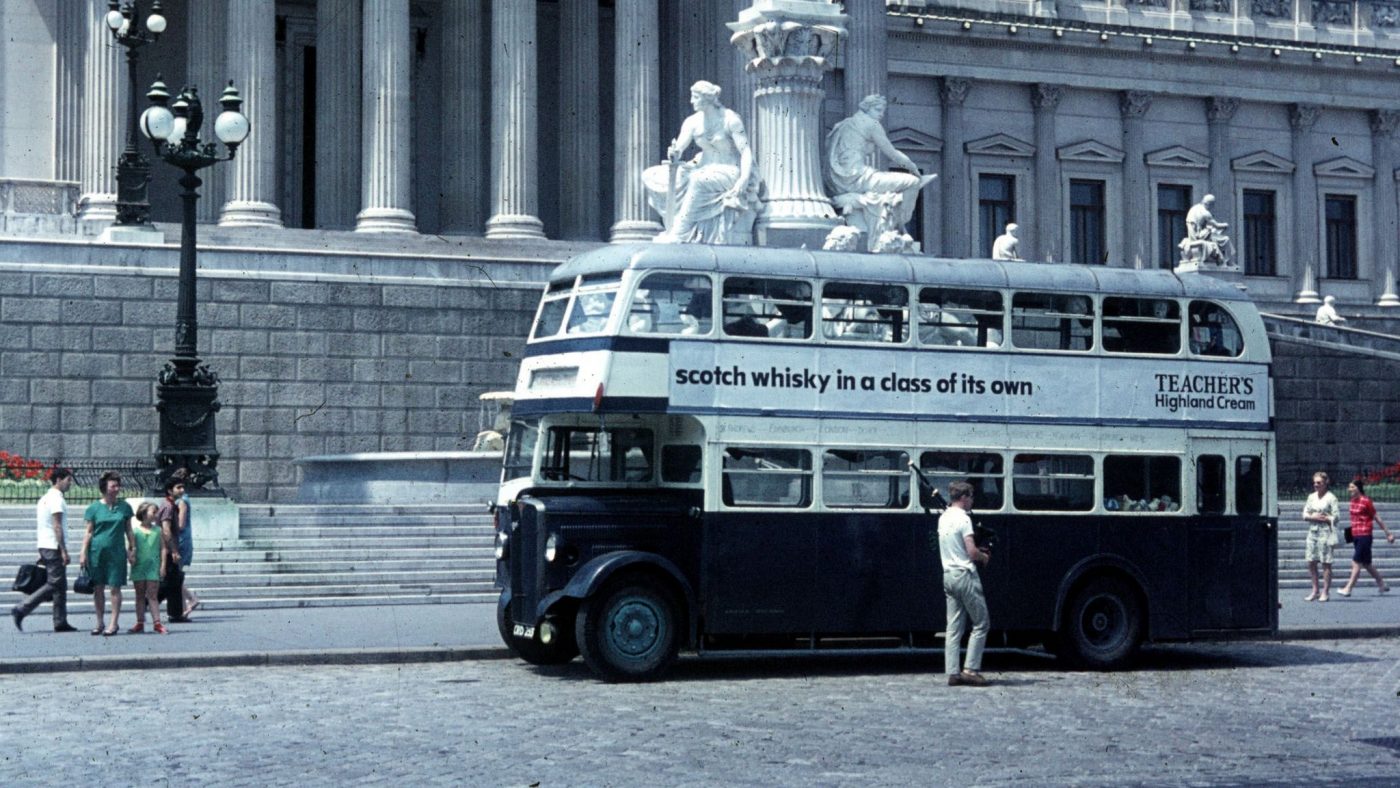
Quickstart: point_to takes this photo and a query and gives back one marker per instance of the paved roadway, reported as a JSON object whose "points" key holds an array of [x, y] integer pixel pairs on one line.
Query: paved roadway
{"points": [[1289, 713]]}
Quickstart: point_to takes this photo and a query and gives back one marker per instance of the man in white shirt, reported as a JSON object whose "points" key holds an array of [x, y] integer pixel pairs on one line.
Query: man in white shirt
{"points": [[51, 515], [962, 588]]}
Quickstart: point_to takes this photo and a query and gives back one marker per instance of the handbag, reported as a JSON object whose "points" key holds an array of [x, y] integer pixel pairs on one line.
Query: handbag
{"points": [[1346, 534], [30, 578], [83, 584]]}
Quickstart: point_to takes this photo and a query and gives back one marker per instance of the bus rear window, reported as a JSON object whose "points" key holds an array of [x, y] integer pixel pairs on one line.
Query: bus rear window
{"points": [[780, 308], [671, 304], [1053, 482], [960, 318], [865, 479], [854, 312], [985, 472], [1047, 321], [584, 454], [1141, 325], [1213, 331], [767, 477], [1141, 484]]}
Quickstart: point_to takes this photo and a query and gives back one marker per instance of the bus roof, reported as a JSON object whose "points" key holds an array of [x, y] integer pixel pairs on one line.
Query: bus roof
{"points": [[890, 268]]}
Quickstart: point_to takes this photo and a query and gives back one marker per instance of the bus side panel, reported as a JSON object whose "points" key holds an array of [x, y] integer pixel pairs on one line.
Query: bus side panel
{"points": [[1230, 584], [872, 576], [1156, 547], [758, 573]]}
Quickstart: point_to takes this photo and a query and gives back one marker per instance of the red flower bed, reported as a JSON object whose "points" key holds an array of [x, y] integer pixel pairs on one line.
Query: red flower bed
{"points": [[16, 468]]}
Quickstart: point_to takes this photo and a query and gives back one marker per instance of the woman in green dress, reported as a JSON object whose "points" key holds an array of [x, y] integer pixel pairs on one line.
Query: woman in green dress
{"points": [[108, 524]]}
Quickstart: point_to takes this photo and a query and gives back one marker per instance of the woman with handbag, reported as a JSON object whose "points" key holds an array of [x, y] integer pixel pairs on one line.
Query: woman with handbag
{"points": [[1363, 515], [108, 523]]}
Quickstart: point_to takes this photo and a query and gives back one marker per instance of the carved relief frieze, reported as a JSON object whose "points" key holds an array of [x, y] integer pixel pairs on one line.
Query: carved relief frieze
{"points": [[1331, 12], [1277, 9], [1213, 6], [1385, 15]]}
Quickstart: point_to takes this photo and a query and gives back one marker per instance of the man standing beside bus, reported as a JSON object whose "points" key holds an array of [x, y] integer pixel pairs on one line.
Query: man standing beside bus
{"points": [[962, 588]]}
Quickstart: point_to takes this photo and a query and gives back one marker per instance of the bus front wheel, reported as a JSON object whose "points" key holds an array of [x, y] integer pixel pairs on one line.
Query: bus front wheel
{"points": [[560, 650], [628, 632], [1102, 626]]}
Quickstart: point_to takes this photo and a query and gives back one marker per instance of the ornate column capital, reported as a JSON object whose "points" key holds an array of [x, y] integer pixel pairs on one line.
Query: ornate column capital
{"points": [[1046, 96], [1134, 103], [789, 37], [1384, 122], [1301, 117], [953, 91], [1220, 109]]}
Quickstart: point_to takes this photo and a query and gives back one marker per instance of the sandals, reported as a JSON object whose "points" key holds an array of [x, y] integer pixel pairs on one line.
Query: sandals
{"points": [[161, 630], [139, 628], [193, 607]]}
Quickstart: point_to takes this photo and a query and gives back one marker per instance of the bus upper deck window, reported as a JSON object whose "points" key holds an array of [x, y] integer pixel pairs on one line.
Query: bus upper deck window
{"points": [[1050, 321], [552, 310], [865, 479], [1141, 325], [672, 304], [1141, 484], [1213, 331], [593, 303], [854, 312], [1052, 483], [985, 472], [767, 477], [960, 318], [778, 308]]}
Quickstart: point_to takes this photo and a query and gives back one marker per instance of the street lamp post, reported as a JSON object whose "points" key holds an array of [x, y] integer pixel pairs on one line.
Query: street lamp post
{"points": [[133, 31], [188, 391]]}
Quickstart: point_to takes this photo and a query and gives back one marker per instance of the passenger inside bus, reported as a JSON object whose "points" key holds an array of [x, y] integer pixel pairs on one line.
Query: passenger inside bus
{"points": [[591, 312], [671, 304]]}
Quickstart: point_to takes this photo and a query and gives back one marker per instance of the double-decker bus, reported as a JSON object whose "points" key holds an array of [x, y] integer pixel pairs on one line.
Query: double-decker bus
{"points": [[719, 449]]}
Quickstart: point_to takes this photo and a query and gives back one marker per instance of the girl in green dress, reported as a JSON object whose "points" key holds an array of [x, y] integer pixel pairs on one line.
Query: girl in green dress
{"points": [[149, 568], [108, 525]]}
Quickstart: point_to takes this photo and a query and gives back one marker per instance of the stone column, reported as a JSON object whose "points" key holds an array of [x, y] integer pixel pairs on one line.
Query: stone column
{"points": [[387, 190], [208, 70], [790, 47], [866, 67], [1383, 125], [957, 237], [744, 82], [636, 139], [1045, 235], [104, 96], [514, 123], [464, 93], [338, 96], [580, 117], [71, 42], [1301, 118], [1137, 251], [252, 34], [1219, 111]]}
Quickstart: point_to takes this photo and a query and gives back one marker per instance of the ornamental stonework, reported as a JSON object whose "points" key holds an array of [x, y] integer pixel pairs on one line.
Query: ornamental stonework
{"points": [[1277, 9], [1385, 15], [1213, 6], [1331, 12]]}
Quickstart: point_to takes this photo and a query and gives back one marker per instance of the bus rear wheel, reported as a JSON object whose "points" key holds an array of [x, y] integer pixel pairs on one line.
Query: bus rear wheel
{"points": [[560, 650], [1102, 626], [628, 632]]}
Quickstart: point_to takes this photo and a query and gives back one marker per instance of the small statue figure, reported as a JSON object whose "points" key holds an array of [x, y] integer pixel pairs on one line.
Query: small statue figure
{"points": [[713, 198], [1007, 246], [1204, 241], [1327, 313], [862, 192], [842, 238]]}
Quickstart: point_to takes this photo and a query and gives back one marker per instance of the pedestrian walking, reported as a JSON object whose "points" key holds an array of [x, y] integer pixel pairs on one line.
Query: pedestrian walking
{"points": [[1363, 515], [108, 527], [188, 599], [51, 515], [173, 582], [1320, 513], [146, 570], [962, 588]]}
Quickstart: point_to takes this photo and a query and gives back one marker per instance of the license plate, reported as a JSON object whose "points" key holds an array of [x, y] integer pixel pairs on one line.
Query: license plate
{"points": [[522, 631]]}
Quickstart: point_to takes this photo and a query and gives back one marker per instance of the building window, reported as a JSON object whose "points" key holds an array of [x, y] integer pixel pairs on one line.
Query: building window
{"points": [[1088, 242], [1341, 236], [1173, 202], [996, 207], [1260, 222]]}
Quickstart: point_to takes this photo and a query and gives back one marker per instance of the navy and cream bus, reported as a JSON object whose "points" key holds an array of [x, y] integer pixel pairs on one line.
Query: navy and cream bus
{"points": [[719, 449]]}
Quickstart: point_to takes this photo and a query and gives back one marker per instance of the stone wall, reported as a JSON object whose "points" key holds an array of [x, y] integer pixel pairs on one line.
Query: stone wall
{"points": [[311, 363]]}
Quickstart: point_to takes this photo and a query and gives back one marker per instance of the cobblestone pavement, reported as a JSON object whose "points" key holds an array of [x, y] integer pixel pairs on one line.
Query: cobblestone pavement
{"points": [[1203, 714]]}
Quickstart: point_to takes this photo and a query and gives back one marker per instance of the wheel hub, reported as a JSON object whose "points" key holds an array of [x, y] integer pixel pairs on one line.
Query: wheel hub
{"points": [[634, 628]]}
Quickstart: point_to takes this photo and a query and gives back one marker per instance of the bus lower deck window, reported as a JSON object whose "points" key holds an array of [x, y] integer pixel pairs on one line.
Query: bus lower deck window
{"points": [[865, 479], [1141, 484], [680, 464], [767, 477], [1053, 482], [985, 472]]}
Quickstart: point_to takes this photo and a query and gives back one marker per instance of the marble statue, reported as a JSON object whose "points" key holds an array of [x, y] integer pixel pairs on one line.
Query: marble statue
{"points": [[842, 238], [862, 192], [1204, 241], [713, 198], [1007, 246]]}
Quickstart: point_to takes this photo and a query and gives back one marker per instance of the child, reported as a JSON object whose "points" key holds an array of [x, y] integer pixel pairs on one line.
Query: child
{"points": [[149, 567]]}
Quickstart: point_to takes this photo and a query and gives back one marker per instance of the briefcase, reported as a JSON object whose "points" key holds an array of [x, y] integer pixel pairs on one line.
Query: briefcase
{"points": [[30, 578]]}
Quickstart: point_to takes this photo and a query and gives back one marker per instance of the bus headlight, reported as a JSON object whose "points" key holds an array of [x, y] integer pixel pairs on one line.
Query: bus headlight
{"points": [[551, 548], [501, 540]]}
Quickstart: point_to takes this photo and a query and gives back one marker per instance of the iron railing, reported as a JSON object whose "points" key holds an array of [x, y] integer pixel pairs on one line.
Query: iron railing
{"points": [[139, 478]]}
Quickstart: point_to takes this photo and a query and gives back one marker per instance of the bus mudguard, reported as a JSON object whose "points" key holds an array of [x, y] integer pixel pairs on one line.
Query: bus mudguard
{"points": [[591, 576], [1097, 564]]}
